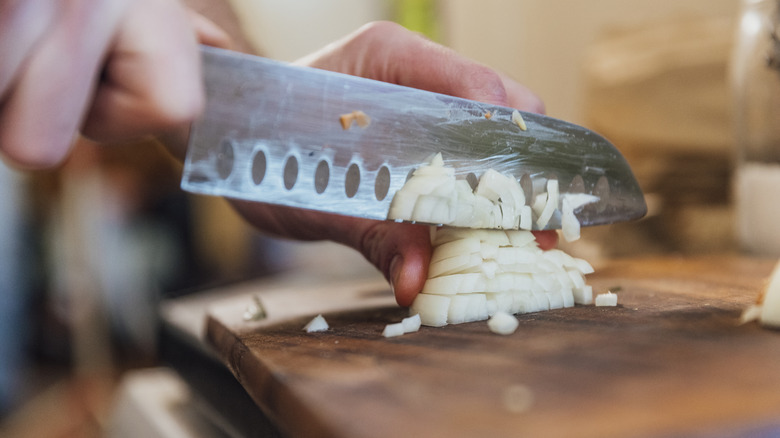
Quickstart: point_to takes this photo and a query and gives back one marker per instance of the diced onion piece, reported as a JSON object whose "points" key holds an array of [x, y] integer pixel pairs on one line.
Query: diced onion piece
{"points": [[432, 209], [392, 330], [426, 184], [455, 284], [542, 302], [540, 201], [432, 309], [455, 248], [318, 324], [402, 206], [567, 294], [606, 299], [453, 265], [576, 278], [519, 238], [583, 266], [518, 120], [767, 310], [456, 314], [503, 323], [491, 185], [555, 298], [476, 309], [437, 160], [577, 200], [570, 225], [526, 218], [751, 313], [583, 295], [550, 205], [412, 323]]}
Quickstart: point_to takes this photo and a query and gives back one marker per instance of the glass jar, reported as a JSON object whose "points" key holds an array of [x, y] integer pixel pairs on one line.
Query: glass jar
{"points": [[755, 73]]}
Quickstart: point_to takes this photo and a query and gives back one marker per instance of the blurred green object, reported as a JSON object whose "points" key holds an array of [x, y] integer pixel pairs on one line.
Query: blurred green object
{"points": [[419, 16]]}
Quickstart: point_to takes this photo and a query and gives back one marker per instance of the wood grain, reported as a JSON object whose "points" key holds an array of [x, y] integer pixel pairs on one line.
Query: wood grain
{"points": [[669, 360]]}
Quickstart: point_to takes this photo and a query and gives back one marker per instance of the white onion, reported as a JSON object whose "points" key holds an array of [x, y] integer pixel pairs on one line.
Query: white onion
{"points": [[503, 323], [392, 330], [767, 310], [317, 324], [606, 299], [411, 324]]}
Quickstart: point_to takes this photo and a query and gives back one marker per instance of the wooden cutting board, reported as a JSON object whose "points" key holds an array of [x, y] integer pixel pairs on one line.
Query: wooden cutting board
{"points": [[669, 360]]}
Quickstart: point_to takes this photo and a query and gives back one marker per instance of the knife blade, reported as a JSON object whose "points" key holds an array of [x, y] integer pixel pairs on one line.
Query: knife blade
{"points": [[271, 132]]}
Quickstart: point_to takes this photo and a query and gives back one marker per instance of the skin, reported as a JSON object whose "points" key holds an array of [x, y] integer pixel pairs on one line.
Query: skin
{"points": [[120, 70]]}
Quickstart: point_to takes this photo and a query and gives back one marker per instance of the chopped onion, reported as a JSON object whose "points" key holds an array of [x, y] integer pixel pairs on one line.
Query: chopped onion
{"points": [[318, 324], [431, 308], [411, 324], [489, 265], [606, 299], [392, 330], [476, 273], [518, 120], [767, 310], [503, 323], [551, 204]]}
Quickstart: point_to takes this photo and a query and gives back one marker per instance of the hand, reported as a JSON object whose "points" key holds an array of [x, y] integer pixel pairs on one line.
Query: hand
{"points": [[390, 53], [113, 70]]}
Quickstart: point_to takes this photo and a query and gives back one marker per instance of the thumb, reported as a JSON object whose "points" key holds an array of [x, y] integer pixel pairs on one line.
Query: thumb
{"points": [[401, 251]]}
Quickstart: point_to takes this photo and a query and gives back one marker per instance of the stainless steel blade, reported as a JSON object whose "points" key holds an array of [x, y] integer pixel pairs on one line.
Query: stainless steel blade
{"points": [[271, 133]]}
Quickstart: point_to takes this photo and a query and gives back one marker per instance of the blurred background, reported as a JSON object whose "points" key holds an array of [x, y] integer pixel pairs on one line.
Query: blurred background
{"points": [[88, 250]]}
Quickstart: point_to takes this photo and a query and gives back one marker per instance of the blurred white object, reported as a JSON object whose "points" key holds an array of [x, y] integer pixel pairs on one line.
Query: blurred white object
{"points": [[755, 72], [156, 403]]}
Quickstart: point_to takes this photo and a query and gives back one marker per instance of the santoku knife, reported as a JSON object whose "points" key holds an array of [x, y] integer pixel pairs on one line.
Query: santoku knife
{"points": [[272, 132]]}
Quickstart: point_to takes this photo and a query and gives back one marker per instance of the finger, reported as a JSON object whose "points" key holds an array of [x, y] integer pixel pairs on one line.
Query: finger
{"points": [[40, 117], [547, 239], [209, 33], [521, 97], [388, 52], [152, 80], [22, 24], [402, 252]]}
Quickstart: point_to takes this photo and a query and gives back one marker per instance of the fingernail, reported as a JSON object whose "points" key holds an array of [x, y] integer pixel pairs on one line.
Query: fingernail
{"points": [[395, 271]]}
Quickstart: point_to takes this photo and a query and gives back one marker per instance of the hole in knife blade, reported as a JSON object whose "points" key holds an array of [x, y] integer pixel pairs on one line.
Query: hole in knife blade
{"points": [[601, 189], [321, 176], [352, 180], [259, 165], [528, 188], [577, 184], [472, 179], [382, 183], [225, 158], [290, 172]]}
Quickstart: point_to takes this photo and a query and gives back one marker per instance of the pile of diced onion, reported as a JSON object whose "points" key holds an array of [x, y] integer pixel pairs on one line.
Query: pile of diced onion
{"points": [[475, 274], [434, 195]]}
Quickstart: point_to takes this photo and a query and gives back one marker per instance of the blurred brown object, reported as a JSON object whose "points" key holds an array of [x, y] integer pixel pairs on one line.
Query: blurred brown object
{"points": [[660, 93], [223, 15], [74, 408]]}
